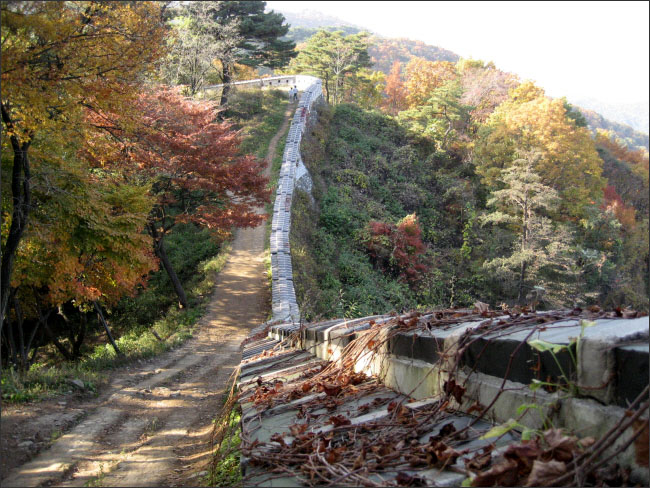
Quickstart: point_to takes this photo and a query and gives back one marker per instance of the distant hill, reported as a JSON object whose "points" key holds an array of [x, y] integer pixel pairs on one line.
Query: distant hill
{"points": [[301, 34], [632, 138], [306, 23], [385, 51], [311, 19], [633, 114]]}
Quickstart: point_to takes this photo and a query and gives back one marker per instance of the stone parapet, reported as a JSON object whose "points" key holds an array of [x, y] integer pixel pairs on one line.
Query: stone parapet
{"points": [[586, 385]]}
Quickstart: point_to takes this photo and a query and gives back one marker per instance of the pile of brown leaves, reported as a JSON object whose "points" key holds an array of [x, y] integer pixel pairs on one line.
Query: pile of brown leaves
{"points": [[537, 462]]}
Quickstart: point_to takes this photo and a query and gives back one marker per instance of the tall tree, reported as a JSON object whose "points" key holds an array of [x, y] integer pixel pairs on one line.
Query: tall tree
{"points": [[520, 206], [528, 121], [57, 58], [258, 37], [85, 245], [441, 116], [193, 165], [334, 58], [395, 91], [199, 44], [365, 88], [484, 88]]}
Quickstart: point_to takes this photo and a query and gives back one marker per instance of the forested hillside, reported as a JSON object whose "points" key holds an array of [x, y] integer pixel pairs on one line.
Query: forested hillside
{"points": [[439, 181], [634, 115], [631, 138], [466, 185]]}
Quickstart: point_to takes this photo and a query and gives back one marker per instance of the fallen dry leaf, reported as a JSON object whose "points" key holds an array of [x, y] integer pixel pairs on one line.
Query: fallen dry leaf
{"points": [[330, 390], [452, 388], [501, 474], [334, 455], [279, 438], [561, 447], [544, 472], [405, 479], [297, 429], [339, 420], [480, 460]]}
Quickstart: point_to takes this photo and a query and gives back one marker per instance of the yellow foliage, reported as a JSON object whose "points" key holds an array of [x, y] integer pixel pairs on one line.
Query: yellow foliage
{"points": [[530, 121], [423, 77], [60, 56]]}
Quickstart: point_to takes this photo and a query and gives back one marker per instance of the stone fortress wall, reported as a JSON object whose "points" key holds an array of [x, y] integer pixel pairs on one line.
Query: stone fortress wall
{"points": [[292, 172]]}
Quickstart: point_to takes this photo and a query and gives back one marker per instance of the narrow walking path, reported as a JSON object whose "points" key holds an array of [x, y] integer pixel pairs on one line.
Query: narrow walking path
{"points": [[152, 425]]}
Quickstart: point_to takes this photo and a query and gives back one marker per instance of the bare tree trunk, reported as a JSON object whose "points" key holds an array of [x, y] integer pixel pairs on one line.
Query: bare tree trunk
{"points": [[12, 344], [176, 282], [21, 202], [522, 275], [524, 241], [159, 249], [81, 335], [327, 88], [22, 351], [227, 78], [100, 315], [66, 354]]}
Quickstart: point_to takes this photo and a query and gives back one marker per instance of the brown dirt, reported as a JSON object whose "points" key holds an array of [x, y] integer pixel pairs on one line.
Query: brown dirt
{"points": [[151, 424]]}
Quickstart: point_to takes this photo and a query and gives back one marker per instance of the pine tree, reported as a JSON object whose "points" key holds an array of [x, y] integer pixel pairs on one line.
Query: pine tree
{"points": [[259, 38], [520, 206], [199, 41], [335, 59]]}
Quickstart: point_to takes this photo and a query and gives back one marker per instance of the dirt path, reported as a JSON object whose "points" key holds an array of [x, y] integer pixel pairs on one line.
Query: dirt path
{"points": [[151, 425]]}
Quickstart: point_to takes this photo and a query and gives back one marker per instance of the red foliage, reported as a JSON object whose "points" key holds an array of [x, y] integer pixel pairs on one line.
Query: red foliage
{"points": [[191, 160], [619, 151], [398, 248], [625, 214]]}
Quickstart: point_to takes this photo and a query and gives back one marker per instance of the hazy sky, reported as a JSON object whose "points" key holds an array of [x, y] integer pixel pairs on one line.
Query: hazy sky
{"points": [[573, 49]]}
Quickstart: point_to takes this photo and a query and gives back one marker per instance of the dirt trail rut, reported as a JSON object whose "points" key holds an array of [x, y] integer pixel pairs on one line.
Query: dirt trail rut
{"points": [[151, 425]]}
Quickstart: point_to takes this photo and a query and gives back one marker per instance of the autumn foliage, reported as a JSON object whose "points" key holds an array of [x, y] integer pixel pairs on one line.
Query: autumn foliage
{"points": [[395, 91], [423, 77], [624, 213], [191, 163], [191, 160], [398, 248], [60, 59]]}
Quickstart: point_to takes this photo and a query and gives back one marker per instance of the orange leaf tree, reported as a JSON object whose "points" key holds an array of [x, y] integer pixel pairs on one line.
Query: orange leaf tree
{"points": [[530, 121], [192, 164], [423, 77], [395, 91], [85, 243]]}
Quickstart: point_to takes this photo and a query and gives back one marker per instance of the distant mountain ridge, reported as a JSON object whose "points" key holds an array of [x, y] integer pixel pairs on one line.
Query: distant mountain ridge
{"points": [[628, 121], [384, 51], [635, 114], [312, 19], [632, 138]]}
